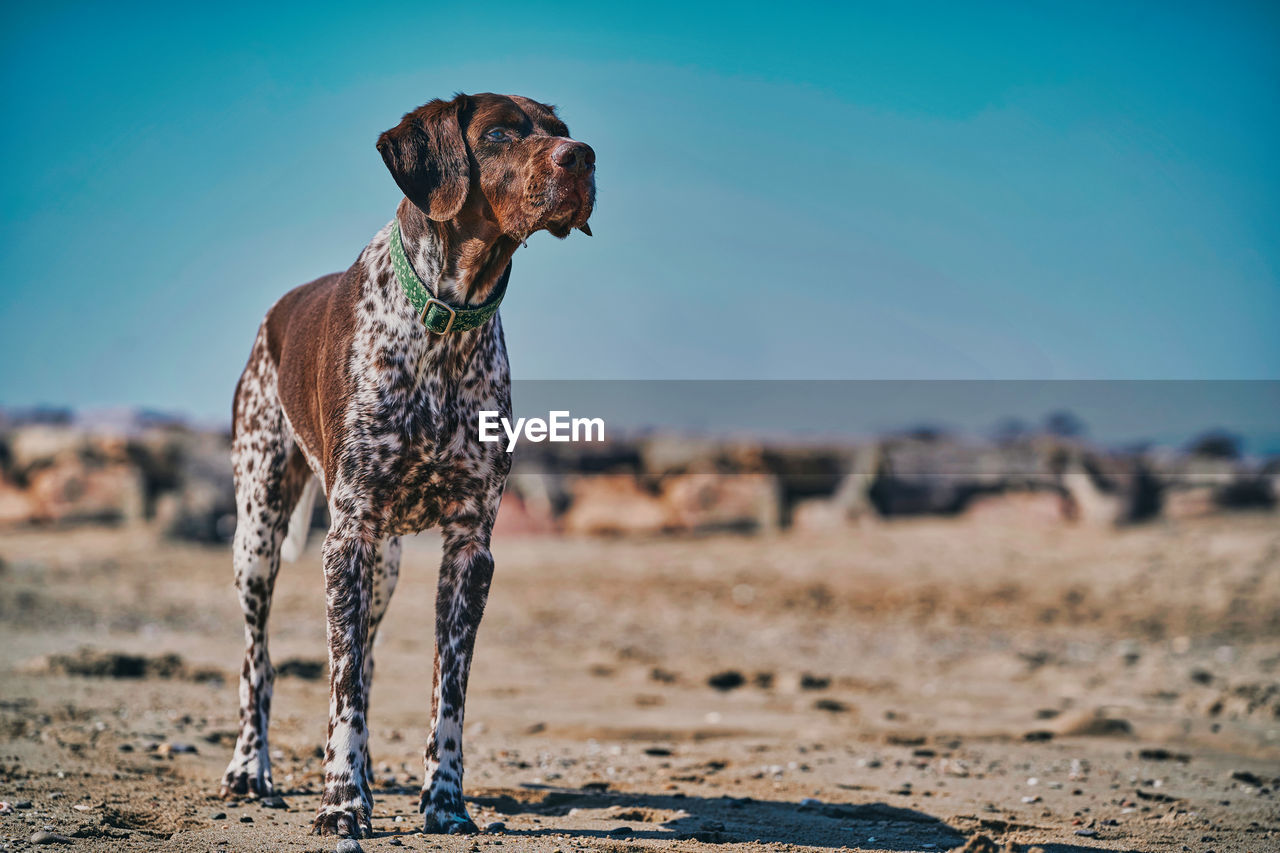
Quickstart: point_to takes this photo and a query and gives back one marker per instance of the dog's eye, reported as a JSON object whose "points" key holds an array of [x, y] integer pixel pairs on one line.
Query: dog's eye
{"points": [[498, 134]]}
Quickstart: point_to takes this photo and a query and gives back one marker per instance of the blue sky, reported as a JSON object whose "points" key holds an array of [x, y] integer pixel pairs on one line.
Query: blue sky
{"points": [[889, 190]]}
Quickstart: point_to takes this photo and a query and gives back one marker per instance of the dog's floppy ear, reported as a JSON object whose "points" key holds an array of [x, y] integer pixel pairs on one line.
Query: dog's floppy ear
{"points": [[427, 156]]}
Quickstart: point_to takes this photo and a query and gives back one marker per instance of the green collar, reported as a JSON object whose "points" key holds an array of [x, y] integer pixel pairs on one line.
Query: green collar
{"points": [[438, 316]]}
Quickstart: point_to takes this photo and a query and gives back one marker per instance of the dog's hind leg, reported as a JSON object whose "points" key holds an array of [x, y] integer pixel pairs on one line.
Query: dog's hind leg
{"points": [[270, 472], [386, 573]]}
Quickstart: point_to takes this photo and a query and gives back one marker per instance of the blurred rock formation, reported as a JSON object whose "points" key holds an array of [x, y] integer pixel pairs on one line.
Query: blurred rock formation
{"points": [[135, 468]]}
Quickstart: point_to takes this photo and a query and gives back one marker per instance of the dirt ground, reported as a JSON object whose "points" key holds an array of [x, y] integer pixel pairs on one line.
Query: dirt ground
{"points": [[901, 686]]}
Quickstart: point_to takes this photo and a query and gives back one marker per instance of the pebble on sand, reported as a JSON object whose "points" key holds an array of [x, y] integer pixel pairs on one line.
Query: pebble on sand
{"points": [[1095, 724], [834, 706], [496, 826], [727, 680], [46, 837], [1251, 779], [349, 845]]}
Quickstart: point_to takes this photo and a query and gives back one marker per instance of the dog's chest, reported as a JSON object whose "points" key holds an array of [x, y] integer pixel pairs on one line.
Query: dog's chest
{"points": [[416, 441], [444, 471]]}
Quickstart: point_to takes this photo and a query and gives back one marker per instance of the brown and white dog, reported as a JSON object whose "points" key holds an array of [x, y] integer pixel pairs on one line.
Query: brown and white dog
{"points": [[345, 386]]}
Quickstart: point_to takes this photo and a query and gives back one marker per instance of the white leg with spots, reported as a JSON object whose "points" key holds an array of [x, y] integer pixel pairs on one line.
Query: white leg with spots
{"points": [[466, 571], [351, 551], [269, 474], [386, 574]]}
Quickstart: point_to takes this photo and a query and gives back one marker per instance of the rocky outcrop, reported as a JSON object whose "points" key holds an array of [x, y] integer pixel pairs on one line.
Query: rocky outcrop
{"points": [[57, 471]]}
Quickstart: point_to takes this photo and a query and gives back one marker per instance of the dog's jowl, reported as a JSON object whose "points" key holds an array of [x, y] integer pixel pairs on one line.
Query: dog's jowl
{"points": [[368, 384]]}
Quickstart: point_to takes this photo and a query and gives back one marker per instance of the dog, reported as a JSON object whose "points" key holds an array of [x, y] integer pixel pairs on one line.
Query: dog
{"points": [[368, 384]]}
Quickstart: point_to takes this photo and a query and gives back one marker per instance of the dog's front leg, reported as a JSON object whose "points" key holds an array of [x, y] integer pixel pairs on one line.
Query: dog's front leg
{"points": [[346, 808], [465, 572]]}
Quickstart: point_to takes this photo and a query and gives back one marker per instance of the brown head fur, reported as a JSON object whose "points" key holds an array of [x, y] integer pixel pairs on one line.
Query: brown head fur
{"points": [[493, 162]]}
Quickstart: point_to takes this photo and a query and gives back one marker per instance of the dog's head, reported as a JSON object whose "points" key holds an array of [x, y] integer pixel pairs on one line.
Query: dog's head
{"points": [[502, 157]]}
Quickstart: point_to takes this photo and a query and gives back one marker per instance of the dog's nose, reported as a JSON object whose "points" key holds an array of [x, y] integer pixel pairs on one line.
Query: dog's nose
{"points": [[574, 156]]}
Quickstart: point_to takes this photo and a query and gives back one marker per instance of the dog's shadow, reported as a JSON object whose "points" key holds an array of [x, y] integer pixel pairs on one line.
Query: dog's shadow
{"points": [[731, 820]]}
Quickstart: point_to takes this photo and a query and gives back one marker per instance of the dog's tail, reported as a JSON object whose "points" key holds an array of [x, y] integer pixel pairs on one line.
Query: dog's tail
{"points": [[300, 522]]}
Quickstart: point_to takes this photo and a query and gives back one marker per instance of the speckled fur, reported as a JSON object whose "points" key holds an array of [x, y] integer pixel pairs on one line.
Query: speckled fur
{"points": [[385, 417]]}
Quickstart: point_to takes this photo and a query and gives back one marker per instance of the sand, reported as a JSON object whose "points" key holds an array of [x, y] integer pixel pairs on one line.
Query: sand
{"points": [[904, 686]]}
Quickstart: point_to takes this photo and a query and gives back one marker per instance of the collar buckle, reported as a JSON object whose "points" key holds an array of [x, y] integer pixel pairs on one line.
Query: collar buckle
{"points": [[426, 309]]}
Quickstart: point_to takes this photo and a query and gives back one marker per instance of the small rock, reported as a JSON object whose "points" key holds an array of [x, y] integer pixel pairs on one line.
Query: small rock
{"points": [[349, 845], [620, 830], [395, 841], [810, 802], [274, 803], [1096, 725], [727, 680], [832, 705], [22, 804], [218, 816], [496, 826], [44, 836], [246, 818], [1086, 833], [1240, 776]]}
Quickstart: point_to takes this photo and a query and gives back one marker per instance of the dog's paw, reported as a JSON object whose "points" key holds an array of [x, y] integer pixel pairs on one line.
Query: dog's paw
{"points": [[444, 812], [350, 820], [241, 781], [440, 823]]}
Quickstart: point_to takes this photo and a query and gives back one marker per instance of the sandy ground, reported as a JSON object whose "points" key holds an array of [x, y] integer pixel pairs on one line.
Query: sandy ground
{"points": [[904, 686]]}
